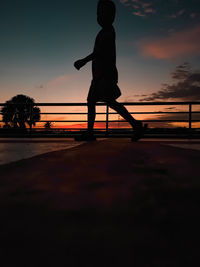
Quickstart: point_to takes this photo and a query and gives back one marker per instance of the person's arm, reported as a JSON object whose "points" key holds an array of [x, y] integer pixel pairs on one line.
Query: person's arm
{"points": [[103, 51], [81, 62], [90, 57]]}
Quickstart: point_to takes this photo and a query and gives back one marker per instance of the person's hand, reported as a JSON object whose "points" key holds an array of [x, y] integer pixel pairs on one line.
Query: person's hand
{"points": [[79, 64]]}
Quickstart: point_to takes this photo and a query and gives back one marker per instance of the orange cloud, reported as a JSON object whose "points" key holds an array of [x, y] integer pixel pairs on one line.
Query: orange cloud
{"points": [[176, 45], [58, 82]]}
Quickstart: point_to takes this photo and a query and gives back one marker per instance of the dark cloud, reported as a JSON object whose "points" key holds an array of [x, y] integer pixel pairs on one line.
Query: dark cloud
{"points": [[178, 14], [141, 8], [165, 124], [181, 72], [140, 95], [168, 117], [183, 117], [171, 8], [193, 15], [139, 13], [40, 86], [170, 108], [186, 86]]}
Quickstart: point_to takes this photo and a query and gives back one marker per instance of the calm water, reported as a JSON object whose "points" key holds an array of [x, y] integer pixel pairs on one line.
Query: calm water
{"points": [[15, 149]]}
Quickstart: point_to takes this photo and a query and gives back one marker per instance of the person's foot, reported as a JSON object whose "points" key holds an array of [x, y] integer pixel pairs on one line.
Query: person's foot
{"points": [[86, 136], [139, 131]]}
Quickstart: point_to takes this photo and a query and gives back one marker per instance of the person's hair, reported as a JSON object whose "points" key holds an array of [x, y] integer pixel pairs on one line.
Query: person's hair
{"points": [[108, 8]]}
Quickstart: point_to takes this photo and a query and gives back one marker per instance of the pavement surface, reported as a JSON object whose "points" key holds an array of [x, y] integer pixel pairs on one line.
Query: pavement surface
{"points": [[106, 203]]}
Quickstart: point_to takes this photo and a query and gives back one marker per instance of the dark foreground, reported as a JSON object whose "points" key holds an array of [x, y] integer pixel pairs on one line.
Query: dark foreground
{"points": [[107, 203]]}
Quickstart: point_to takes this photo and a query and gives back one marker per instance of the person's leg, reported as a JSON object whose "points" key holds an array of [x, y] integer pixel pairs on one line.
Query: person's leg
{"points": [[88, 135], [121, 110], [91, 115]]}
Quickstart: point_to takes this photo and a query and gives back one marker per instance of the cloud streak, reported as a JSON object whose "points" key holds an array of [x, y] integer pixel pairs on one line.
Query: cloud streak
{"points": [[186, 86], [176, 45], [170, 10], [58, 82], [141, 8]]}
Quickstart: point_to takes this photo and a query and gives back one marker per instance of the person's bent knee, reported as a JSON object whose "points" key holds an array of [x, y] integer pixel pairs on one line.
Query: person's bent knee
{"points": [[114, 104], [91, 104]]}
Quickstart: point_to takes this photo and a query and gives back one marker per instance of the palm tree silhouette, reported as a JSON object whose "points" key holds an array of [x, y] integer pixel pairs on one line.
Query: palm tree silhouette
{"points": [[20, 111], [48, 125]]}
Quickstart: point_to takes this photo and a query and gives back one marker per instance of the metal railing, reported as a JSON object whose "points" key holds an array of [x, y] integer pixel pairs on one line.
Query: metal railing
{"points": [[189, 112]]}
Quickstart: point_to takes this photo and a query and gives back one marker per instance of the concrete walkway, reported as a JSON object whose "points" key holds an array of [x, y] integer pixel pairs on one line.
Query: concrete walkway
{"points": [[107, 203]]}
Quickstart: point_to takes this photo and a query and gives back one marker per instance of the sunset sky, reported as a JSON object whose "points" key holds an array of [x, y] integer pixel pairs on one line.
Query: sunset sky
{"points": [[40, 40]]}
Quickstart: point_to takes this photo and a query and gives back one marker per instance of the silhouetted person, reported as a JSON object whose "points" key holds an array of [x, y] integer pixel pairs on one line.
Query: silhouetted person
{"points": [[105, 76]]}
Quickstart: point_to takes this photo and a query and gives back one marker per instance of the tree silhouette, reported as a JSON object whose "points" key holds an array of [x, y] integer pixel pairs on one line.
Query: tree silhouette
{"points": [[48, 125], [19, 112]]}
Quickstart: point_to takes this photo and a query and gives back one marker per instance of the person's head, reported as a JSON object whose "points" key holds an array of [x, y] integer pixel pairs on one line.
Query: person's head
{"points": [[106, 13]]}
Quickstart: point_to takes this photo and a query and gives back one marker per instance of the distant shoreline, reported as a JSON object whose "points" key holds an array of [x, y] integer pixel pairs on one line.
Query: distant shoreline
{"points": [[15, 150]]}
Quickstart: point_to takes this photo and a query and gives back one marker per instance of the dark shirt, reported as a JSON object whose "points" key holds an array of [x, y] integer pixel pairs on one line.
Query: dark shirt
{"points": [[104, 63]]}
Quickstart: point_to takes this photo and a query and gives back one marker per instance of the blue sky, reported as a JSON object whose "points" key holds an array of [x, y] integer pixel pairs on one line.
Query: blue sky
{"points": [[40, 40]]}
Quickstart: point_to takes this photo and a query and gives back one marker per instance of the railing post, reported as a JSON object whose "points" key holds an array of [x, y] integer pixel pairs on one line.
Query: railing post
{"points": [[190, 117], [190, 120], [31, 116], [107, 119]]}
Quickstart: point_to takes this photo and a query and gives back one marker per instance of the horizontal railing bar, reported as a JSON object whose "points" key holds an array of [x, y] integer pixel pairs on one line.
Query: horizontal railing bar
{"points": [[161, 121], [159, 112], [159, 103], [120, 130], [114, 113], [104, 104], [78, 113], [119, 121], [101, 129], [163, 112]]}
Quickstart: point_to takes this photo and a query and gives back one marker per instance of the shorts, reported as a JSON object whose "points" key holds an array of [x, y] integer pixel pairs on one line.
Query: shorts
{"points": [[103, 90]]}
